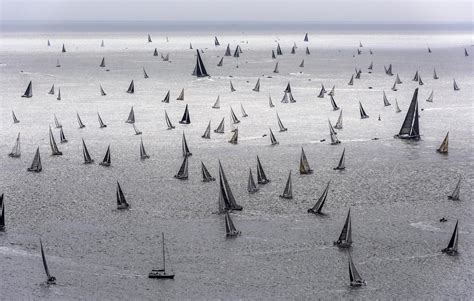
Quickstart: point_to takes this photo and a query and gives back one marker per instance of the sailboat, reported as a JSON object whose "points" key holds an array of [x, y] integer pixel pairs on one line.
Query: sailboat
{"points": [[221, 62], [183, 170], [181, 95], [385, 100], [420, 82], [106, 161], [102, 92], [51, 91], [207, 132], [85, 153], [102, 63], [279, 52], [102, 44], [257, 86], [275, 70], [429, 50], [161, 273], [64, 49], [301, 65], [16, 150], [167, 97], [251, 187], [316, 209], [430, 98], [452, 248], [199, 69], [149, 38], [410, 127], [235, 137], [226, 199], [206, 175], [345, 238], [168, 121], [443, 148], [435, 76], [62, 137], [131, 116], [235, 120], [333, 91], [50, 279], [306, 37], [15, 120], [280, 124], [36, 165], [389, 70], [184, 147], [288, 192], [2, 214], [227, 51], [333, 134], [339, 122], [351, 81], [29, 91], [58, 65], [220, 128], [52, 143], [273, 54], [354, 276], [342, 162], [137, 131], [304, 165], [397, 80], [270, 102], [121, 201], [131, 88], [363, 115], [307, 51], [59, 94], [394, 87], [145, 75], [333, 103], [371, 66], [230, 229], [455, 194], [185, 119], [416, 76], [273, 140], [244, 114], [217, 104], [56, 122], [455, 85], [321, 93], [143, 154], [49, 44], [397, 108], [237, 52], [101, 123], [261, 177], [465, 52], [232, 89], [216, 41]]}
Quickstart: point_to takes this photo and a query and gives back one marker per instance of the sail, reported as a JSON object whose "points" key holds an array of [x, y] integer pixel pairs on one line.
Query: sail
{"points": [[64, 49], [220, 128], [185, 119], [62, 136], [333, 103], [16, 150], [235, 120], [49, 44], [261, 177], [371, 66], [102, 92], [15, 120], [280, 124], [101, 123], [145, 75], [217, 104], [29, 91], [465, 52], [56, 122], [305, 169], [394, 87], [137, 131], [276, 68], [455, 86], [102, 44], [221, 62], [200, 69], [443, 148], [184, 146], [149, 38], [397, 108], [279, 50], [397, 80], [455, 194], [321, 93], [293, 50], [316, 209], [2, 213], [102, 63], [430, 98], [51, 91], [181, 95], [168, 121], [244, 114], [131, 88], [231, 231], [273, 140], [52, 143], [167, 97], [270, 102], [420, 82], [85, 153], [333, 91], [251, 187], [143, 154], [273, 54], [235, 137], [227, 51], [206, 175], [207, 133], [121, 201], [131, 116], [415, 77], [435, 76], [232, 89], [410, 127], [36, 165], [216, 41], [288, 192], [106, 160], [50, 279], [183, 170], [385, 100], [339, 122], [237, 51], [59, 94], [333, 134], [389, 70], [226, 197], [345, 238], [354, 276], [307, 51], [342, 162], [363, 115], [351, 81], [452, 248], [257, 86]]}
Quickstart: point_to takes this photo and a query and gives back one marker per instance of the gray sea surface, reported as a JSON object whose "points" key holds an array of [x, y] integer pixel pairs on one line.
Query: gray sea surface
{"points": [[396, 190]]}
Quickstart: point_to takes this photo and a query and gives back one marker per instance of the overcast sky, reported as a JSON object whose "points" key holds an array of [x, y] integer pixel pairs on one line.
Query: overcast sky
{"points": [[408, 11]]}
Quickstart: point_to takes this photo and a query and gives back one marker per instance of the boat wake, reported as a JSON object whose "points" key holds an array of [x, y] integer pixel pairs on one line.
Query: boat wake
{"points": [[425, 227]]}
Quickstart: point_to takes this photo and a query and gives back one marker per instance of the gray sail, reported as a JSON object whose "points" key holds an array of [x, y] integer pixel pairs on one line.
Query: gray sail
{"points": [[452, 248], [29, 91], [455, 86], [102, 92], [15, 120], [333, 91], [257, 86], [455, 194], [207, 132], [101, 122], [385, 100], [235, 137], [270, 102], [261, 176], [220, 128], [131, 116], [230, 229], [52, 143], [410, 127], [221, 62], [143, 154], [102, 44], [167, 97], [306, 37], [51, 91], [275, 70], [273, 54], [64, 49], [351, 81], [16, 150], [183, 170], [102, 63], [465, 52], [279, 52], [106, 161], [184, 146], [244, 114], [56, 122], [181, 95], [206, 175], [36, 165], [397, 80], [232, 89], [280, 124], [307, 51], [397, 108], [443, 148], [227, 51], [333, 103], [62, 137], [251, 187], [59, 94], [85, 153], [305, 169], [216, 41], [136, 130], [342, 162], [345, 238], [237, 51], [394, 87], [217, 104], [339, 122], [288, 192], [301, 64], [316, 209], [435, 76], [235, 120], [168, 121]]}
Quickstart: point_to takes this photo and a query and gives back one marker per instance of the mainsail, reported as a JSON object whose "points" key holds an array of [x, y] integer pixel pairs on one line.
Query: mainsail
{"points": [[261, 177], [443, 148], [302, 64], [316, 209], [305, 169], [435, 76], [363, 115], [220, 128], [410, 127], [270, 102], [167, 97], [226, 200], [235, 137], [279, 50], [56, 122], [85, 153], [397, 108], [398, 80], [276, 68], [354, 276], [102, 92], [206, 175], [452, 248], [227, 51], [16, 150], [145, 75], [106, 160], [280, 124], [2, 214], [149, 38], [29, 91], [59, 94], [131, 116], [64, 49], [230, 229], [143, 154], [217, 104], [79, 121], [333, 103], [351, 81], [345, 238], [183, 170], [235, 120], [15, 120], [52, 143], [184, 146], [216, 41], [273, 54], [333, 91], [102, 63], [244, 114], [131, 88], [273, 140], [342, 162], [36, 165], [251, 187], [62, 136], [288, 192], [137, 131], [101, 123], [306, 37], [168, 122], [51, 91], [207, 133]]}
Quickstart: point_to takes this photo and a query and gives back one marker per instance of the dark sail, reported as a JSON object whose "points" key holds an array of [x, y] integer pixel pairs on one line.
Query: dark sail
{"points": [[16, 150], [443, 148], [345, 238], [452, 248], [143, 154], [220, 128], [276, 68], [273, 54], [29, 91], [149, 38], [64, 49], [235, 120], [101, 123], [351, 81], [50, 279], [273, 140], [279, 50], [410, 127], [62, 136], [435, 76], [183, 170], [102, 92], [185, 119], [235, 137], [237, 52], [131, 116], [85, 153], [232, 89], [79, 121], [354, 276], [455, 86], [226, 198], [465, 52], [333, 103], [288, 192], [363, 115], [339, 122], [257, 86], [207, 132], [168, 121], [227, 51], [131, 88], [206, 175], [181, 95], [216, 41], [270, 102], [167, 97], [397, 108], [145, 75], [52, 143], [121, 201], [261, 177], [342, 162], [244, 114], [51, 91], [102, 63], [36, 165], [2, 213], [251, 187], [56, 122], [320, 203], [397, 80], [184, 146], [306, 37], [305, 169], [59, 94], [106, 160], [230, 229], [221, 62], [199, 70], [280, 124], [307, 51], [333, 134]]}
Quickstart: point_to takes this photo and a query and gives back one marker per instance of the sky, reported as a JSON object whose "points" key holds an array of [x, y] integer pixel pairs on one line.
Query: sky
{"points": [[350, 11]]}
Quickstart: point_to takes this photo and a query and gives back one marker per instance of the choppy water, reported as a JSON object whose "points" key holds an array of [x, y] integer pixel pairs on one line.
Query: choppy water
{"points": [[396, 189]]}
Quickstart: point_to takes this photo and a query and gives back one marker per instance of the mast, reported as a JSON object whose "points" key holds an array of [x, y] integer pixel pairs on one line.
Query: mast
{"points": [[333, 134], [50, 279], [64, 49], [221, 62], [351, 81], [145, 75], [2, 214], [443, 148], [316, 209], [59, 94], [410, 127], [276, 68]]}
